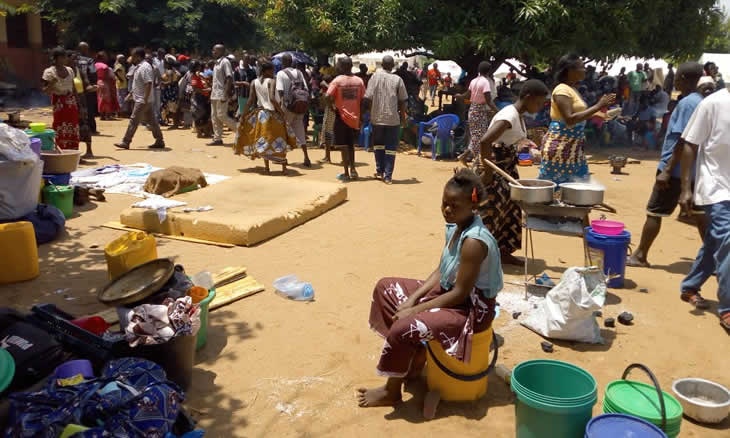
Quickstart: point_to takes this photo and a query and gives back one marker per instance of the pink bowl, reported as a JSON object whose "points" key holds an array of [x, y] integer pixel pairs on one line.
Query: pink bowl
{"points": [[608, 228]]}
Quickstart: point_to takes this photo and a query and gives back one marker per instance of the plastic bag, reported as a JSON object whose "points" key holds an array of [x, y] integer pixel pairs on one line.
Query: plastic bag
{"points": [[20, 184], [15, 145], [568, 309]]}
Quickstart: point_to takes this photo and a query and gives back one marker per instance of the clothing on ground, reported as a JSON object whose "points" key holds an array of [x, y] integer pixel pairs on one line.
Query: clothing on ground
{"points": [[171, 181], [714, 256], [385, 90], [677, 123], [452, 327], [709, 129]]}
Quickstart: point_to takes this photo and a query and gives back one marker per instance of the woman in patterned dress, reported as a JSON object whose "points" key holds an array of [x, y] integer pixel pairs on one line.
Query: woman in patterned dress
{"points": [[58, 82], [502, 216], [107, 99], [456, 301], [262, 131], [563, 159], [481, 94]]}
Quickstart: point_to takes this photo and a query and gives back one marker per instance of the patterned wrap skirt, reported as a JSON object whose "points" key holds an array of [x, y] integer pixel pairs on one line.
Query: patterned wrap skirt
{"points": [[501, 215], [452, 327], [66, 120], [563, 159], [106, 96], [264, 134], [328, 126], [480, 116]]}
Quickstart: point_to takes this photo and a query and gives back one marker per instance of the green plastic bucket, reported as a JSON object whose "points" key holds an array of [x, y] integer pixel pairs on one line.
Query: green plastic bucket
{"points": [[61, 197], [554, 399], [647, 402], [47, 138], [204, 310]]}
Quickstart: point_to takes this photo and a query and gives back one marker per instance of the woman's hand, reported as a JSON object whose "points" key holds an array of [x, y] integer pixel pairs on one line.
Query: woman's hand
{"points": [[607, 100], [404, 313]]}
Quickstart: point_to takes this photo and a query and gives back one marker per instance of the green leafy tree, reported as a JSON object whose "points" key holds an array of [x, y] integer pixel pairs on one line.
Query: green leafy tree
{"points": [[121, 24], [468, 31], [718, 41]]}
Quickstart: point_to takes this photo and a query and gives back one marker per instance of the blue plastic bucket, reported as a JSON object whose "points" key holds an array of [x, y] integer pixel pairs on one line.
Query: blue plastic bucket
{"points": [[58, 179], [609, 253], [621, 426]]}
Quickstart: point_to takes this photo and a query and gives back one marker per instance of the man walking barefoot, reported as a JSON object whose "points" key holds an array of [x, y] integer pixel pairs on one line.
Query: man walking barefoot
{"points": [[143, 98]]}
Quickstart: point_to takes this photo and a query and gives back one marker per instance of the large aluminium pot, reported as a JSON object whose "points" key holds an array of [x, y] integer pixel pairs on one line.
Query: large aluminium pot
{"points": [[581, 194], [535, 191]]}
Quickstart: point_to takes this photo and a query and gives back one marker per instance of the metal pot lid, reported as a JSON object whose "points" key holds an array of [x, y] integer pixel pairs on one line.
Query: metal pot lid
{"points": [[137, 284]]}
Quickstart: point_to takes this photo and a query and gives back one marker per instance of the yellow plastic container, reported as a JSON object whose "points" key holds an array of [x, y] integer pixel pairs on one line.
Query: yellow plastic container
{"points": [[458, 390], [129, 251], [18, 252]]}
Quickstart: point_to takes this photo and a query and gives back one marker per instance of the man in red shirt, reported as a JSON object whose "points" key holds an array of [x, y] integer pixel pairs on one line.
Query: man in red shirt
{"points": [[346, 91], [434, 77]]}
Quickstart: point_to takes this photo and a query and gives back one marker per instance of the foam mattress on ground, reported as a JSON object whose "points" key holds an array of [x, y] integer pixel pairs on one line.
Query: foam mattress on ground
{"points": [[247, 209]]}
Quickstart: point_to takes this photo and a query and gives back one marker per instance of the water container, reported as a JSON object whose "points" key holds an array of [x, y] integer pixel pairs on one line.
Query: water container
{"points": [[35, 145], [608, 253], [129, 251], [18, 252], [202, 336], [291, 287], [61, 197], [59, 179], [621, 426]]}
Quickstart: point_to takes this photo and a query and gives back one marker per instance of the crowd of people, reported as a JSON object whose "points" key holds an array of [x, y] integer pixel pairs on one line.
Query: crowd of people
{"points": [[268, 106]]}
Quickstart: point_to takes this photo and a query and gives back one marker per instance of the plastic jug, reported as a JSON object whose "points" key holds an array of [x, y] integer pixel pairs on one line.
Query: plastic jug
{"points": [[293, 288], [129, 251]]}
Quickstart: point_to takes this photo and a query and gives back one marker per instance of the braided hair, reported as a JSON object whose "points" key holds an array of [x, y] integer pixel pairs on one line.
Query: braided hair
{"points": [[468, 182]]}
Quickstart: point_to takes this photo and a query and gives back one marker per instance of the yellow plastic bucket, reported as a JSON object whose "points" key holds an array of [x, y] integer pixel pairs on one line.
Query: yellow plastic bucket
{"points": [[129, 251], [456, 389], [18, 252]]}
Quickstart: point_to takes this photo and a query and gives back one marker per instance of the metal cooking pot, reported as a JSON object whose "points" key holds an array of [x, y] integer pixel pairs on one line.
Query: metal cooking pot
{"points": [[535, 191], [581, 194]]}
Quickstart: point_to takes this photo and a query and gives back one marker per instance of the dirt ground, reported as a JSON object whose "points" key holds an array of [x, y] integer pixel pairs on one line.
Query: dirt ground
{"points": [[274, 367]]}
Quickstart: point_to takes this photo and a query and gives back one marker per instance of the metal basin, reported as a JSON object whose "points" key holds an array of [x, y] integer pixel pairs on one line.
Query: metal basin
{"points": [[702, 400], [536, 191], [581, 194]]}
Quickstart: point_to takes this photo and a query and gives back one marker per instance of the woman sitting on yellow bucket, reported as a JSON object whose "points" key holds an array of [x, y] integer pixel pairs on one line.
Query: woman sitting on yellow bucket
{"points": [[454, 303]]}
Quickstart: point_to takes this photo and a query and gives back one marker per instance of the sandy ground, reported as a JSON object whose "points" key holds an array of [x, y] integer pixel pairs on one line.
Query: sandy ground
{"points": [[274, 367]]}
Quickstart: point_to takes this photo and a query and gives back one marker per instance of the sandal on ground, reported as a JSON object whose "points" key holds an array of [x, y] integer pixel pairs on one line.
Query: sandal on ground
{"points": [[388, 181], [343, 177], [377, 175], [725, 320], [695, 299], [354, 174]]}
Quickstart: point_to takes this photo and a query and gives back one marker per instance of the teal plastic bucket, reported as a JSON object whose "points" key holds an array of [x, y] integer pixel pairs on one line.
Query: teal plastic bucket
{"points": [[202, 336], [554, 399]]}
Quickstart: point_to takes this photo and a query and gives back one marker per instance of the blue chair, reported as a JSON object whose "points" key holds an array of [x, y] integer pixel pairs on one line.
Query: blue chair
{"points": [[445, 123]]}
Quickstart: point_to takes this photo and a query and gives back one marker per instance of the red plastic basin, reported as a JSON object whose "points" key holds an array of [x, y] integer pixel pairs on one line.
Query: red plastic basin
{"points": [[608, 228]]}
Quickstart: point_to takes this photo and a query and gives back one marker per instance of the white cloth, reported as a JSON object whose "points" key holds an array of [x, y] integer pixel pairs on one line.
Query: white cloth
{"points": [[709, 129], [143, 75], [221, 72], [386, 90], [264, 98], [517, 131], [283, 83]]}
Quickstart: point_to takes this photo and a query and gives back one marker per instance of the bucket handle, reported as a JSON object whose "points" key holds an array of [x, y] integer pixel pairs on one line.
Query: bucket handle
{"points": [[656, 385], [472, 377]]}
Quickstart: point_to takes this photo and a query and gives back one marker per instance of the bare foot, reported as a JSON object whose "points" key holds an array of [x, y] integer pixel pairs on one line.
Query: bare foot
{"points": [[87, 155], [636, 262], [509, 259], [430, 404], [419, 361], [370, 398]]}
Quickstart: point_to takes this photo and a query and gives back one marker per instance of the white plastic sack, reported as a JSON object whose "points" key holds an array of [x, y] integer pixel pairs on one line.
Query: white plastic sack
{"points": [[20, 184], [567, 311], [15, 145]]}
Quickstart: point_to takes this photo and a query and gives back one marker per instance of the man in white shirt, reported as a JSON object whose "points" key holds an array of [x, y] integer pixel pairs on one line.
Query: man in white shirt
{"points": [[143, 97], [221, 93], [386, 98], [283, 90], [707, 139]]}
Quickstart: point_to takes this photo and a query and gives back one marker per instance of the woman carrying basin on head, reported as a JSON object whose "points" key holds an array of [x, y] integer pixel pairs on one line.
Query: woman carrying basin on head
{"points": [[563, 158]]}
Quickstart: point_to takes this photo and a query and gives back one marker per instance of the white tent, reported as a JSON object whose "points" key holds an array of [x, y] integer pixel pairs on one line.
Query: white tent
{"points": [[722, 60], [448, 67]]}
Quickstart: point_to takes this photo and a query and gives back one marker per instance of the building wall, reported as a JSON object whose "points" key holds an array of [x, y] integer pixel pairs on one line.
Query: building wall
{"points": [[23, 60]]}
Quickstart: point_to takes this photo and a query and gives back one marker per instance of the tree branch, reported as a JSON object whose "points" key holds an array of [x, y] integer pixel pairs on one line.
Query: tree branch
{"points": [[519, 70]]}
